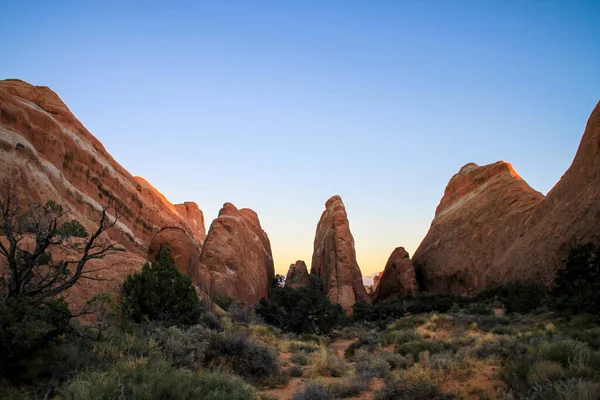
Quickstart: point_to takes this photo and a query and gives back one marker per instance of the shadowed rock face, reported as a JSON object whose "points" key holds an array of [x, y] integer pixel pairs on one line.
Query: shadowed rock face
{"points": [[297, 275], [195, 218], [334, 257], [237, 255], [492, 228], [398, 278], [482, 213]]}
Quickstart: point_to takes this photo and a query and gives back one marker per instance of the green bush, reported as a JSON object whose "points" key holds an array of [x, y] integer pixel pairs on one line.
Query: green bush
{"points": [[371, 367], [346, 387], [299, 359], [161, 293], [27, 332], [301, 310], [577, 285], [570, 353], [294, 371], [516, 297], [571, 389], [502, 346], [155, 380], [313, 391], [183, 347], [251, 360]]}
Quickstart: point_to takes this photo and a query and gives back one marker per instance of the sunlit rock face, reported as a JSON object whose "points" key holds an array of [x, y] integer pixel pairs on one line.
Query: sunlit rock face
{"points": [[48, 154], [297, 275], [492, 228], [398, 278], [334, 257], [237, 255], [195, 219]]}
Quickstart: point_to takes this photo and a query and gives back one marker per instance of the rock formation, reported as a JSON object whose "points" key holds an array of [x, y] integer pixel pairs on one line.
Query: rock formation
{"points": [[397, 279], [334, 257], [195, 219], [185, 254], [376, 279], [47, 151], [237, 254], [297, 275], [491, 228], [49, 155]]}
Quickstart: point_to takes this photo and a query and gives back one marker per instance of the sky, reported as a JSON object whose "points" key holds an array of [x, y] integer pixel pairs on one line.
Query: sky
{"points": [[278, 105]]}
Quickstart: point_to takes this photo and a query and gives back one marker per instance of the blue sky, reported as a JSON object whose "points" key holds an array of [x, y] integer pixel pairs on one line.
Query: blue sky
{"points": [[278, 105]]}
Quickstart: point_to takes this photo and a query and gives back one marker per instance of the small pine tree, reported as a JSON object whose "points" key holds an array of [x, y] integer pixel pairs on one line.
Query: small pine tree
{"points": [[161, 293]]}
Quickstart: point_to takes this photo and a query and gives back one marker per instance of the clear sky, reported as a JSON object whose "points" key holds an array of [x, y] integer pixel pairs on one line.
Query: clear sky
{"points": [[278, 105]]}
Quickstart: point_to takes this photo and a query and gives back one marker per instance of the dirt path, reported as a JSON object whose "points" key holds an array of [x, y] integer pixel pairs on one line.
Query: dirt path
{"points": [[340, 346]]}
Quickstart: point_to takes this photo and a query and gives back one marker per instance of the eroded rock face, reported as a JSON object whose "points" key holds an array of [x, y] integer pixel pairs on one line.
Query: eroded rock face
{"points": [[237, 254], [398, 278], [185, 253], [46, 150], [195, 219], [568, 216], [297, 275], [49, 155], [334, 257], [482, 213], [376, 278], [491, 228]]}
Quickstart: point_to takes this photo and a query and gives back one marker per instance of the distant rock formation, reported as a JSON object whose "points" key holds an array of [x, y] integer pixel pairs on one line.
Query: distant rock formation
{"points": [[492, 228], [237, 255], [376, 279], [334, 257], [397, 279], [297, 275]]}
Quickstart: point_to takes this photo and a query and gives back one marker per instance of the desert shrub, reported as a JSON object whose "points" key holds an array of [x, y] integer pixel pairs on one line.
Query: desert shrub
{"points": [[251, 360], [301, 310], [589, 336], [446, 360], [415, 347], [296, 347], [577, 285], [491, 322], [400, 337], [371, 367], [516, 297], [318, 339], [348, 386], [299, 358], [313, 391], [421, 390], [395, 361], [326, 362], [223, 300], [211, 321], [27, 329], [161, 293], [367, 340], [570, 353], [502, 346], [571, 389], [544, 371], [479, 309], [155, 380], [239, 313], [294, 371], [183, 347]]}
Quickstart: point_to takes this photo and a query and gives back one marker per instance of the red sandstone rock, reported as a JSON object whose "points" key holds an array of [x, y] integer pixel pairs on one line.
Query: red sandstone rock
{"points": [[184, 253], [482, 213], [297, 275], [492, 228], [237, 254], [376, 278], [397, 279], [46, 152], [334, 257], [195, 218]]}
